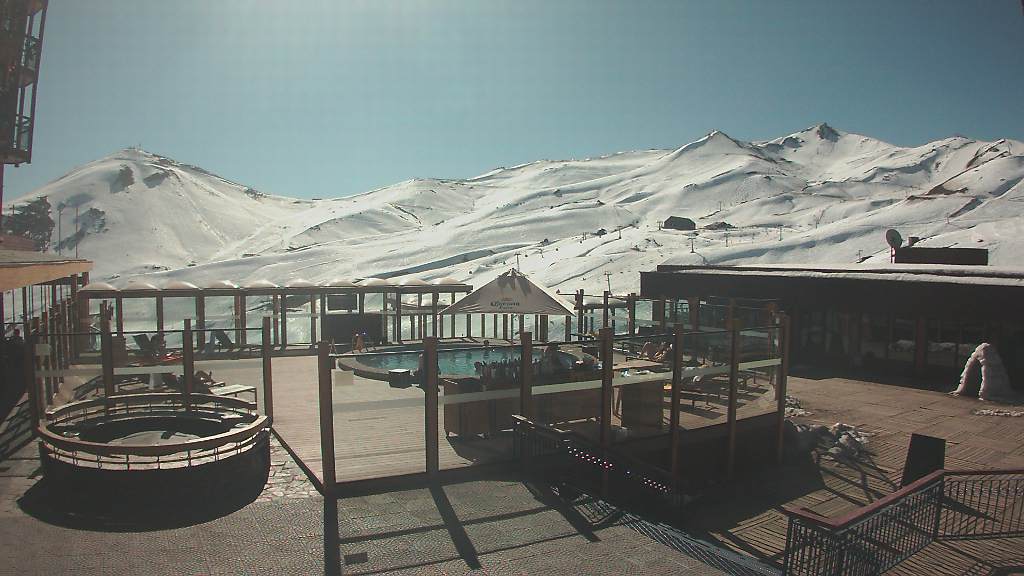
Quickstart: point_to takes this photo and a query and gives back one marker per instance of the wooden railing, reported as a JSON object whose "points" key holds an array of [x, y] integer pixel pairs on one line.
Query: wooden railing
{"points": [[175, 454], [942, 505], [565, 457]]}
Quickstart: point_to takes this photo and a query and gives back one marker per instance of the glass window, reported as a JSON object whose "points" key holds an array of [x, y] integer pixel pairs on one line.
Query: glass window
{"points": [[942, 338], [874, 334], [901, 347]]}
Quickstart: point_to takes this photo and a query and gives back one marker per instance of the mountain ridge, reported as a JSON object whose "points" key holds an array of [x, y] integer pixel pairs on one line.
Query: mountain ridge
{"points": [[828, 193]]}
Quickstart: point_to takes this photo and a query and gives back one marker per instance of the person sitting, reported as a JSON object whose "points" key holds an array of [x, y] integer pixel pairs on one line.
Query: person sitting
{"points": [[649, 350], [158, 344], [664, 354]]}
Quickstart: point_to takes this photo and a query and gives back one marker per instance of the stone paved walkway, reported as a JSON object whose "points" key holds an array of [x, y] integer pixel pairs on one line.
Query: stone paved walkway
{"points": [[488, 524]]}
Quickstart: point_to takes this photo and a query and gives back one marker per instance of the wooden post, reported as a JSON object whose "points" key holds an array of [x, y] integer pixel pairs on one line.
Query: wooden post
{"points": [[731, 414], [504, 326], [75, 318], [24, 307], [275, 312], [160, 314], [188, 363], [282, 304], [201, 321], [433, 314], [604, 309], [430, 419], [107, 357], [631, 313], [323, 317], [312, 318], [44, 339], [119, 314], [397, 328], [483, 325], [605, 336], [268, 374], [580, 320], [780, 388], [673, 417], [526, 375], [239, 324], [469, 325], [327, 453], [453, 315], [243, 320]]}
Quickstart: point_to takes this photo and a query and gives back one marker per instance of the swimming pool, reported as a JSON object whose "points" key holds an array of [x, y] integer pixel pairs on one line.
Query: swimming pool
{"points": [[457, 362]]}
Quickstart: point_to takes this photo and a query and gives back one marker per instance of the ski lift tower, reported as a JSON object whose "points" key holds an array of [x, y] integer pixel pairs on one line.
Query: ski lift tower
{"points": [[21, 45]]}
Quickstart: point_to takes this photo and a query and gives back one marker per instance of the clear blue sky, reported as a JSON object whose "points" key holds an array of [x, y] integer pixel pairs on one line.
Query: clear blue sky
{"points": [[330, 97]]}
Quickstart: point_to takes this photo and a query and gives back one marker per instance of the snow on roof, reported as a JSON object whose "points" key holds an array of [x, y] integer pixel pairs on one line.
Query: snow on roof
{"points": [[446, 281], [261, 284], [180, 285], [98, 287], [338, 282], [938, 273], [374, 282], [300, 283], [222, 284], [412, 282], [139, 285]]}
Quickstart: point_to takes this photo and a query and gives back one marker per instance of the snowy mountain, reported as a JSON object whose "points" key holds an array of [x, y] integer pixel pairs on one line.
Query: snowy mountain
{"points": [[818, 195]]}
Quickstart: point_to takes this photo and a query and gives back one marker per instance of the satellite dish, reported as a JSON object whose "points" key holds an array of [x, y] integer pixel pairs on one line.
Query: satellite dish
{"points": [[893, 238]]}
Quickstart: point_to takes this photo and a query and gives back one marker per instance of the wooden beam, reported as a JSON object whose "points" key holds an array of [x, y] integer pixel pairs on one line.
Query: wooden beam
{"points": [[526, 375], [673, 417], [268, 375], [430, 418], [780, 389], [731, 414], [188, 363], [326, 398], [605, 336]]}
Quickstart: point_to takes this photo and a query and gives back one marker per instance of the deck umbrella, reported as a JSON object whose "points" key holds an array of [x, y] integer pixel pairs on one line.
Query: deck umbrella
{"points": [[511, 293]]}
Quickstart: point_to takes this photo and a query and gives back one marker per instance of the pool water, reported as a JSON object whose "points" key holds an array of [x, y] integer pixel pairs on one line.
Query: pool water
{"points": [[460, 362]]}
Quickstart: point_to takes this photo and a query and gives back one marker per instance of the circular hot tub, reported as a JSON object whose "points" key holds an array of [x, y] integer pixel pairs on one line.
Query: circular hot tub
{"points": [[159, 447]]}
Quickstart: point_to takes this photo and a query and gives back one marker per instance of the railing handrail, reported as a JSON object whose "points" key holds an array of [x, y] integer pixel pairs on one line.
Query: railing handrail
{"points": [[150, 398], [102, 449], [863, 512]]}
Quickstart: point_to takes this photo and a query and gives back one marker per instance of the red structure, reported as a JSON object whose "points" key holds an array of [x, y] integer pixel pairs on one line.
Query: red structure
{"points": [[21, 45]]}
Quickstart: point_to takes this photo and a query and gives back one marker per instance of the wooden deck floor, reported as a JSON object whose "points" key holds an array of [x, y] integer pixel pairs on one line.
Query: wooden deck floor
{"points": [[751, 519]]}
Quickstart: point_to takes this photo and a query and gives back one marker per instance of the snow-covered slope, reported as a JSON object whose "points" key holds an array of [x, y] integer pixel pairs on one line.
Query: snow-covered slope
{"points": [[818, 195]]}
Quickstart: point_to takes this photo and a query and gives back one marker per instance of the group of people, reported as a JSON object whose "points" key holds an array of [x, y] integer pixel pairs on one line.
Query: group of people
{"points": [[652, 351], [509, 369]]}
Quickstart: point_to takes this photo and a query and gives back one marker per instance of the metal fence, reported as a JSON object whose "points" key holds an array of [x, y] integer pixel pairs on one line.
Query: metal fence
{"points": [[945, 505]]}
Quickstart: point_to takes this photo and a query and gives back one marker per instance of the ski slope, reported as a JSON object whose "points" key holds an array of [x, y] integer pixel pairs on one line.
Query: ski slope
{"points": [[815, 196]]}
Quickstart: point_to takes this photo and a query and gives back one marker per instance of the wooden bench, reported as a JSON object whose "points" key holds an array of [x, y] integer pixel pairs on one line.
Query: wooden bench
{"points": [[221, 389]]}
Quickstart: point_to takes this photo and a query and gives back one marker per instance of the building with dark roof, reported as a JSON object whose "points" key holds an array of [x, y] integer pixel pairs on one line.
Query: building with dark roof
{"points": [[915, 320]]}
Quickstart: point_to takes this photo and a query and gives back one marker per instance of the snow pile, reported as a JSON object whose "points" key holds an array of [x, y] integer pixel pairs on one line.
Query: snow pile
{"points": [[984, 375], [841, 441], [794, 409], [998, 412], [845, 441], [818, 195]]}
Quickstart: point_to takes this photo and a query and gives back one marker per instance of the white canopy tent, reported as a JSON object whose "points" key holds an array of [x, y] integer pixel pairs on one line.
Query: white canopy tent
{"points": [[511, 293]]}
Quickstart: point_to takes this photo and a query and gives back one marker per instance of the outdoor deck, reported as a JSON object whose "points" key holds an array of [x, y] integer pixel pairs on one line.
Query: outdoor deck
{"points": [[751, 520], [379, 430]]}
